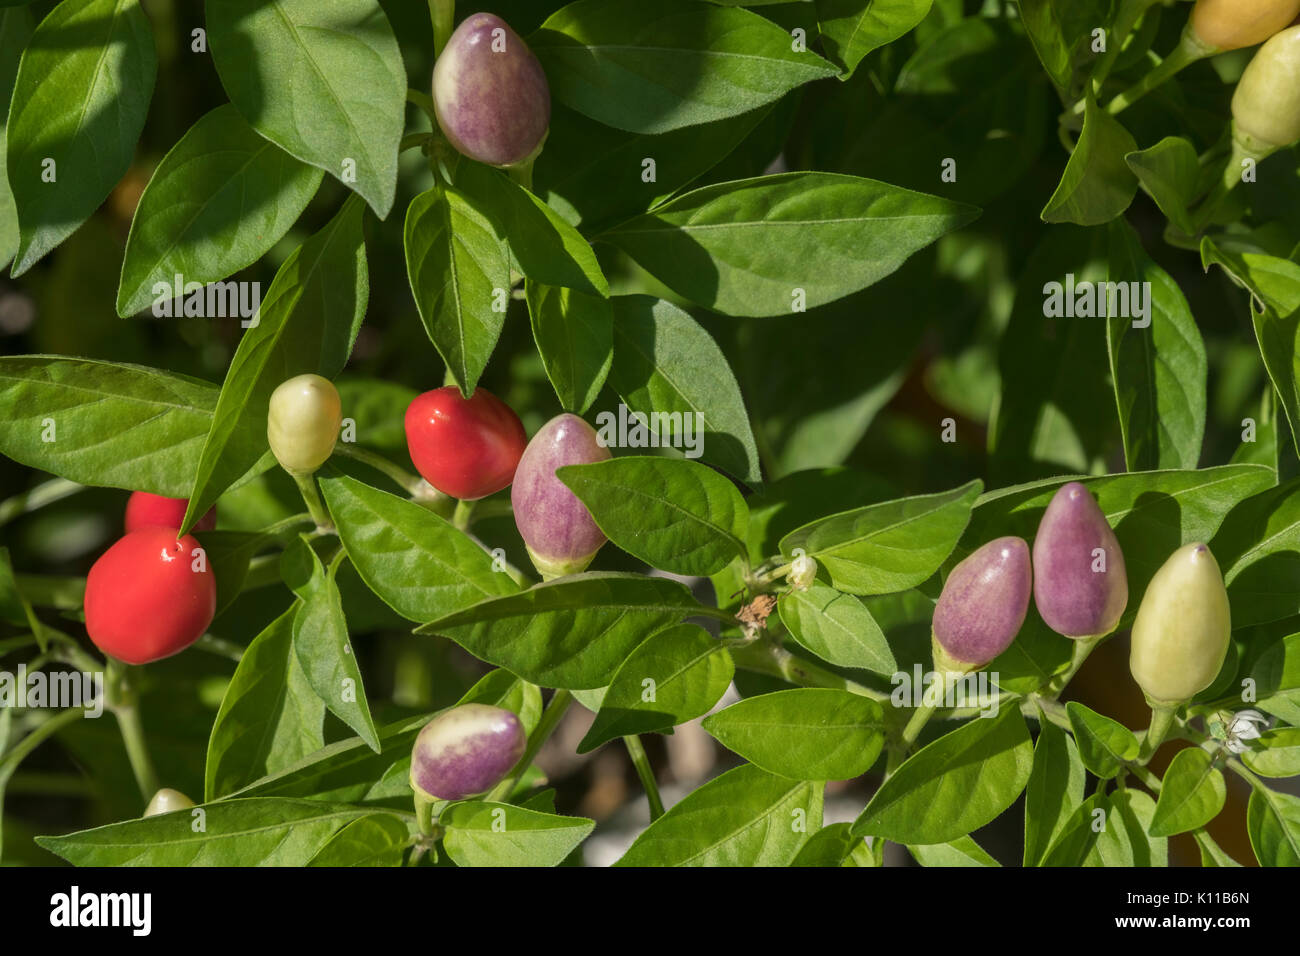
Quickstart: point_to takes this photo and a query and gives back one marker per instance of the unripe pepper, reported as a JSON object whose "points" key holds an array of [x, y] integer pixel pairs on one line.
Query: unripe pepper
{"points": [[982, 606], [1222, 25], [465, 447], [1080, 582], [490, 94], [560, 533], [302, 423], [466, 751], [1183, 626], [1266, 104], [149, 596], [144, 510], [166, 800]]}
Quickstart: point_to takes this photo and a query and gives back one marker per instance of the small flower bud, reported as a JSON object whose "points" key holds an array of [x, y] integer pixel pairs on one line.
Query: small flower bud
{"points": [[1182, 629], [1244, 727], [803, 572], [559, 532], [1080, 582], [166, 800], [302, 423], [983, 605], [466, 751]]}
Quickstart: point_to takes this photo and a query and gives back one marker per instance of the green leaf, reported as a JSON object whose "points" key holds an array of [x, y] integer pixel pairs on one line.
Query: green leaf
{"points": [[1036, 656], [1105, 745], [15, 31], [547, 248], [418, 564], [1211, 853], [673, 514], [307, 323], [1097, 184], [666, 364], [805, 734], [104, 424], [575, 338], [229, 554], [672, 677], [79, 104], [954, 785], [377, 840], [220, 198], [1274, 285], [256, 832], [1275, 754], [1277, 679], [1124, 840], [962, 851], [324, 82], [748, 248], [651, 69], [1191, 794], [1078, 836], [1158, 372], [746, 817], [1061, 34], [459, 272], [269, 718], [498, 834], [851, 29], [595, 175], [1273, 821], [324, 649], [1054, 792], [1169, 171], [1258, 548], [829, 846], [887, 547], [572, 632], [836, 627]]}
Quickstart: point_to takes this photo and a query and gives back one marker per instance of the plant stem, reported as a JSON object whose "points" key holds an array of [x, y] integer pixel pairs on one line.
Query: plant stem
{"points": [[443, 15], [123, 698], [408, 482], [43, 494], [1237, 767], [555, 710], [463, 516], [33, 740], [522, 173], [1050, 708], [1130, 12], [643, 769], [1082, 648], [920, 717], [316, 507], [425, 102], [1184, 55], [764, 657], [220, 646], [1162, 719]]}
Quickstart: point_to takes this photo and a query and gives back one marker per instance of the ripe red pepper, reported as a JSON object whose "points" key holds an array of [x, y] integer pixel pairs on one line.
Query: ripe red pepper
{"points": [[145, 600], [465, 447]]}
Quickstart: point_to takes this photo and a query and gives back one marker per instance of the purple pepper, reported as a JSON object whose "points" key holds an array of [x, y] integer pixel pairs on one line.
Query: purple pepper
{"points": [[559, 531], [1080, 582], [490, 93], [983, 605], [466, 751]]}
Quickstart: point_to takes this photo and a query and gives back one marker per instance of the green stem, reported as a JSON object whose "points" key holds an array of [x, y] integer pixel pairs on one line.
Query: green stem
{"points": [[920, 717], [425, 102], [1082, 648], [1188, 51], [1051, 710], [443, 15], [408, 482], [43, 494], [316, 507], [220, 646], [555, 711], [1130, 12], [463, 516], [1237, 767], [124, 697], [522, 173], [33, 740], [763, 657], [1162, 719], [643, 769]]}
